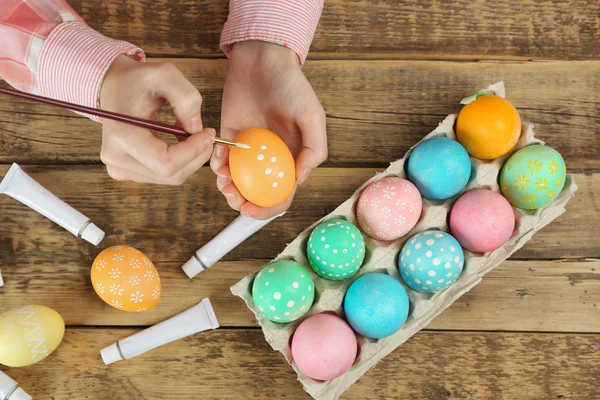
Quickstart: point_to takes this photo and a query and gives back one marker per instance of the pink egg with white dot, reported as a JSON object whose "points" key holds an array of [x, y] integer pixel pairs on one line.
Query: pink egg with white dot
{"points": [[389, 208], [324, 347]]}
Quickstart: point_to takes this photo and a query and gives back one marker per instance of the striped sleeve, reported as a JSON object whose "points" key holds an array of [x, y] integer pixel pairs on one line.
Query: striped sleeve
{"points": [[290, 23], [47, 49]]}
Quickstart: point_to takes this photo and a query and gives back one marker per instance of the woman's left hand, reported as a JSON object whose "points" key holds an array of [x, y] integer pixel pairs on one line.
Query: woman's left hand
{"points": [[266, 88]]}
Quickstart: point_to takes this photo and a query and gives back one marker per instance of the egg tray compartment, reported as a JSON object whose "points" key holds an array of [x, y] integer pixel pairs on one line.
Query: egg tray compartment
{"points": [[382, 257]]}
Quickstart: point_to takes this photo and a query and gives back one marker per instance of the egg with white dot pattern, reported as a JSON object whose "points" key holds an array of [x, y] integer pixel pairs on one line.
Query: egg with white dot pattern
{"points": [[431, 261], [336, 249], [265, 174], [283, 291]]}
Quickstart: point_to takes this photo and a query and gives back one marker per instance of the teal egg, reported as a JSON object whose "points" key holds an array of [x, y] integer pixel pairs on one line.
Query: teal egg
{"points": [[336, 249], [533, 176], [283, 291]]}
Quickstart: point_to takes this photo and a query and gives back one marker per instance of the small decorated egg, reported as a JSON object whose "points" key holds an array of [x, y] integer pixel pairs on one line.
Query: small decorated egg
{"points": [[336, 249], [283, 291], [324, 347], [439, 167], [533, 176], [389, 208], [126, 279], [482, 220], [265, 174], [431, 261], [376, 305], [29, 334]]}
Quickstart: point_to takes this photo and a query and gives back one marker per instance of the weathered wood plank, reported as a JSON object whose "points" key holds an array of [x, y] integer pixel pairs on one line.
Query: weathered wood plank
{"points": [[376, 109], [235, 364], [171, 223], [370, 29], [517, 296]]}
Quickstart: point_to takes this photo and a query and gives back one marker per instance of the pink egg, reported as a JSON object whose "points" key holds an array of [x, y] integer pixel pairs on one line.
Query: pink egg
{"points": [[324, 346], [482, 220], [389, 208]]}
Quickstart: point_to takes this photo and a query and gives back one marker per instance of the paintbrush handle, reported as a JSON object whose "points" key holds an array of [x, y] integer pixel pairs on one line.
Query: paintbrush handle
{"points": [[142, 123]]}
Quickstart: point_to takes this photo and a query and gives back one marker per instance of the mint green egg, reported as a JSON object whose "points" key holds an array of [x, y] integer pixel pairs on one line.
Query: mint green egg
{"points": [[336, 249], [533, 176], [283, 291]]}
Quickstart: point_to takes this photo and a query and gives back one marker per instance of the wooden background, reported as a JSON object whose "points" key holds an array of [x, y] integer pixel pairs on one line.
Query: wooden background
{"points": [[386, 72]]}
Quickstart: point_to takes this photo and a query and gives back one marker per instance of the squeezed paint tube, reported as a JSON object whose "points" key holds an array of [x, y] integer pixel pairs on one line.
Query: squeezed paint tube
{"points": [[200, 317], [228, 239], [10, 390], [20, 186]]}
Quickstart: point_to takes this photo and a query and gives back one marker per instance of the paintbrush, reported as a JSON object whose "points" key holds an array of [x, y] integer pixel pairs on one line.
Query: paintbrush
{"points": [[142, 123]]}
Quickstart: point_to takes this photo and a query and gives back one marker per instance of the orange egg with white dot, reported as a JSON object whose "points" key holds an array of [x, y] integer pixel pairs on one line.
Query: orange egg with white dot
{"points": [[126, 279], [265, 174]]}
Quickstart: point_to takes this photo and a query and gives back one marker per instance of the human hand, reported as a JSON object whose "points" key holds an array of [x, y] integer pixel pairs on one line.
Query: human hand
{"points": [[137, 154], [266, 88]]}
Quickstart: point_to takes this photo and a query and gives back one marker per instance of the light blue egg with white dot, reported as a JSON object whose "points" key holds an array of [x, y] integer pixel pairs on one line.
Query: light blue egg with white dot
{"points": [[431, 261]]}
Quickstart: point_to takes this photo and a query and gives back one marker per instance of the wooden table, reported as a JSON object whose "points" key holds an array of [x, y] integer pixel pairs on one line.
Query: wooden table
{"points": [[386, 72]]}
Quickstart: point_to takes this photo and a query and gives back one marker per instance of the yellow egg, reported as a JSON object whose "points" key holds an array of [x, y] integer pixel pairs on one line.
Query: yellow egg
{"points": [[126, 279], [265, 174], [29, 334]]}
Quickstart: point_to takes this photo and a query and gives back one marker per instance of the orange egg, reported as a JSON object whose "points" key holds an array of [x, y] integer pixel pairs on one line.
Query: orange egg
{"points": [[265, 174], [489, 127], [126, 279]]}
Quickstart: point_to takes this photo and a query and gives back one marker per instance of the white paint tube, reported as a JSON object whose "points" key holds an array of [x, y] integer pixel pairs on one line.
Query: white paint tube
{"points": [[228, 239], [10, 390], [20, 186], [200, 317]]}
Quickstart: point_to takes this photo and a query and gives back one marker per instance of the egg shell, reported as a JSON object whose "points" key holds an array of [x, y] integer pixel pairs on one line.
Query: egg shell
{"points": [[482, 220], [533, 176], [336, 249], [283, 291], [431, 261], [389, 208], [29, 334], [439, 167], [488, 127], [324, 346], [376, 305], [265, 174], [126, 279]]}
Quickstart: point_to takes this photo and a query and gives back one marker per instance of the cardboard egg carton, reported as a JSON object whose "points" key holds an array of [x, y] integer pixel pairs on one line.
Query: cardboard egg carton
{"points": [[382, 257]]}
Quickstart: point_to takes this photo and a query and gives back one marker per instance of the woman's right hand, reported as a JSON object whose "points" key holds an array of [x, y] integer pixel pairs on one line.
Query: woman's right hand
{"points": [[136, 154]]}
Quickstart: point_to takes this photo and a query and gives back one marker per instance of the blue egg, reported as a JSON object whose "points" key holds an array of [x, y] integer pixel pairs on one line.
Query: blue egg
{"points": [[431, 261], [440, 168], [376, 305]]}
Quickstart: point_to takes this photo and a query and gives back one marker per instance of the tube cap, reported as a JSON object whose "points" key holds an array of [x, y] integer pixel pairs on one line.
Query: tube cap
{"points": [[193, 267], [111, 354], [20, 394], [93, 234]]}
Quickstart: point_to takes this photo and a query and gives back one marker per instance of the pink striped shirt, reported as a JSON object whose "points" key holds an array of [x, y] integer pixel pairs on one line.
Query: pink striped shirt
{"points": [[47, 49]]}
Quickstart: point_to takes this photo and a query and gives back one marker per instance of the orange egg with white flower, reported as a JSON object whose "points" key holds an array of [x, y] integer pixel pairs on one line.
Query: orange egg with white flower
{"points": [[265, 174], [126, 279]]}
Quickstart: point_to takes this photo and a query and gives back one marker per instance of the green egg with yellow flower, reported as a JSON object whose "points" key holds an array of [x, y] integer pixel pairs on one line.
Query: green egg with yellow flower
{"points": [[533, 176]]}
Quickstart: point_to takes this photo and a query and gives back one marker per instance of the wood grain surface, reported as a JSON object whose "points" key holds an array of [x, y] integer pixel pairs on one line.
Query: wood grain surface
{"points": [[387, 72], [375, 110], [462, 29], [230, 364]]}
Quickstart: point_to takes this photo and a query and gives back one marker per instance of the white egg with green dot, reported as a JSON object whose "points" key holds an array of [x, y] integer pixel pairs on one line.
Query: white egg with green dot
{"points": [[336, 249], [283, 291]]}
